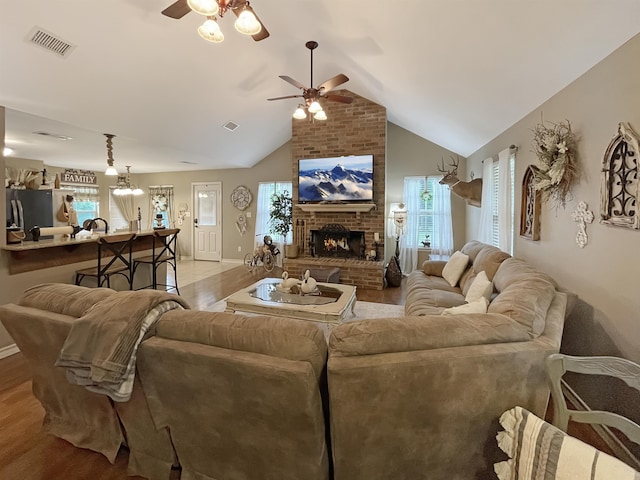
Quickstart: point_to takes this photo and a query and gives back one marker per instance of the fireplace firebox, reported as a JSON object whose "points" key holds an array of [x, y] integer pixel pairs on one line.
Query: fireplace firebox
{"points": [[334, 240]]}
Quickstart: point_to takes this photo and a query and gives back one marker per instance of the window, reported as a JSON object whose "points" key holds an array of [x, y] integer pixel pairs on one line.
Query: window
{"points": [[161, 198], [117, 219], [502, 201], [86, 201], [265, 191], [426, 213]]}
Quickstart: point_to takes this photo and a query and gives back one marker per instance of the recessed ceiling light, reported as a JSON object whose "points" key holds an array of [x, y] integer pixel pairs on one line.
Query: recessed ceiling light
{"points": [[54, 135], [7, 151]]}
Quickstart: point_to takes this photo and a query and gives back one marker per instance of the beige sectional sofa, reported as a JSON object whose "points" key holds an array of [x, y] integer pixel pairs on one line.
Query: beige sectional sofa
{"points": [[419, 397], [256, 397]]}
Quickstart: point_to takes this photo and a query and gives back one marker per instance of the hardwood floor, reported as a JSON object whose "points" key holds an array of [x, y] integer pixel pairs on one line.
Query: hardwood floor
{"points": [[28, 454]]}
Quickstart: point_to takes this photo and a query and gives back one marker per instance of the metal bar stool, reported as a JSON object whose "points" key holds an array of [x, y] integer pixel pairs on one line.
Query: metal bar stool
{"points": [[120, 246], [164, 249]]}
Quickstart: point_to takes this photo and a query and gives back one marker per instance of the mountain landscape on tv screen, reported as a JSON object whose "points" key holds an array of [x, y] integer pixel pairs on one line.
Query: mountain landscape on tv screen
{"points": [[335, 184]]}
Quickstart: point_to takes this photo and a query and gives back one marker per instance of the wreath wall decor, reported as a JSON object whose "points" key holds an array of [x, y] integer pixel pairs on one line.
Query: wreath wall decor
{"points": [[555, 145]]}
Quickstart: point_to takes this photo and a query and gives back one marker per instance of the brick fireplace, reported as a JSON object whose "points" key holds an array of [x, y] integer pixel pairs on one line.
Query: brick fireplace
{"points": [[358, 128]]}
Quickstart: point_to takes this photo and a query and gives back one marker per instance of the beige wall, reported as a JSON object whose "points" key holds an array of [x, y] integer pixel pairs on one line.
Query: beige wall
{"points": [[605, 273], [274, 167], [407, 155]]}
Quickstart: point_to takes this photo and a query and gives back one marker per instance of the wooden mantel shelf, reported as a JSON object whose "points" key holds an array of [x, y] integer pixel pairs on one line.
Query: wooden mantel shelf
{"points": [[336, 207]]}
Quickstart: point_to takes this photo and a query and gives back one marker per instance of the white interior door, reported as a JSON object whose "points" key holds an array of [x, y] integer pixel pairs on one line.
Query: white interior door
{"points": [[207, 222]]}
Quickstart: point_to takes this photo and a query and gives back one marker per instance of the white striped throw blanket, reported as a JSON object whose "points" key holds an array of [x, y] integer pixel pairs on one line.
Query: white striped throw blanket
{"points": [[540, 451]]}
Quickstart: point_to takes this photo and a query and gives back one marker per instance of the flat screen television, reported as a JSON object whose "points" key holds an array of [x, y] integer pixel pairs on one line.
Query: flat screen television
{"points": [[336, 179]]}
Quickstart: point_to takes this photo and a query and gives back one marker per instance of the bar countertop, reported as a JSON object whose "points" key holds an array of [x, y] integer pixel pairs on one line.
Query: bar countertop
{"points": [[60, 241], [28, 256]]}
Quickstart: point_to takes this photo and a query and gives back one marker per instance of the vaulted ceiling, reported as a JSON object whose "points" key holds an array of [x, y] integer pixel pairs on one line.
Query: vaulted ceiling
{"points": [[456, 72]]}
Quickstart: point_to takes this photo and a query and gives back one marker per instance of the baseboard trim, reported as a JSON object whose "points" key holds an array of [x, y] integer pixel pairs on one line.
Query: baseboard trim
{"points": [[239, 261], [604, 432], [8, 351]]}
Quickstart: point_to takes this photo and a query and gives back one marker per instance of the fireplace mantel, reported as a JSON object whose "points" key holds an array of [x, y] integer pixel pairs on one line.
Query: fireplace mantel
{"points": [[336, 207]]}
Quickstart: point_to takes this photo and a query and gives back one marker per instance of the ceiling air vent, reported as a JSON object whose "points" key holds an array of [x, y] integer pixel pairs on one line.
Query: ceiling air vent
{"points": [[231, 126], [54, 135], [50, 42]]}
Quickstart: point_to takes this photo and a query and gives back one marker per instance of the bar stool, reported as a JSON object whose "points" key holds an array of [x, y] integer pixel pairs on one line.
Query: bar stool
{"points": [[120, 246], [164, 247]]}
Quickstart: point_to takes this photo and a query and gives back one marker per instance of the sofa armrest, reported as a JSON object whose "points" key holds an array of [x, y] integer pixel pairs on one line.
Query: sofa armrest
{"points": [[389, 335], [433, 267]]}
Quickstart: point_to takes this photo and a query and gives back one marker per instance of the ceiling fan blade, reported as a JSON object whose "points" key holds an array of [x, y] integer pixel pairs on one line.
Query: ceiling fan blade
{"points": [[339, 98], [333, 83], [293, 82], [282, 98], [177, 9]]}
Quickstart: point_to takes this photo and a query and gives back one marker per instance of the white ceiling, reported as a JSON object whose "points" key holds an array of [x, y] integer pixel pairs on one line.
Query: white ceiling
{"points": [[456, 72]]}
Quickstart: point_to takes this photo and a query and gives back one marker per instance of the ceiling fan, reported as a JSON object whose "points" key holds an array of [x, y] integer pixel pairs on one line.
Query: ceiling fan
{"points": [[312, 95], [247, 22]]}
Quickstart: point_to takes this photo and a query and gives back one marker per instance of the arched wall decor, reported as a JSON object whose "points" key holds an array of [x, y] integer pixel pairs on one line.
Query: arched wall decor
{"points": [[530, 207], [620, 189]]}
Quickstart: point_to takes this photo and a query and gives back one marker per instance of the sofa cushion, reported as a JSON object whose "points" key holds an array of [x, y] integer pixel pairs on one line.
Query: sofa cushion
{"points": [[431, 297], [417, 279], [481, 287], [525, 294], [479, 305], [433, 267], [534, 445], [455, 267], [275, 336], [386, 335], [488, 260]]}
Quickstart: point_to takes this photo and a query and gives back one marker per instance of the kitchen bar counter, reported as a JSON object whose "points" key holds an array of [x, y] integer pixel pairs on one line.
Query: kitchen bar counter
{"points": [[28, 255]]}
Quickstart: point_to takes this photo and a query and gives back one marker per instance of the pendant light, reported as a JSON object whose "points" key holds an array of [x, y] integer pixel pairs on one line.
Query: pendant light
{"points": [[111, 170]]}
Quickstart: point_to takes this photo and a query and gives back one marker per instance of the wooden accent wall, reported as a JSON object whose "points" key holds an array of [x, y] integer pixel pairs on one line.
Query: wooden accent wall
{"points": [[355, 129]]}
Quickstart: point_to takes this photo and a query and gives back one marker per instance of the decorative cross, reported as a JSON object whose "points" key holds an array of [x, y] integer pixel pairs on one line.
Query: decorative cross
{"points": [[582, 216]]}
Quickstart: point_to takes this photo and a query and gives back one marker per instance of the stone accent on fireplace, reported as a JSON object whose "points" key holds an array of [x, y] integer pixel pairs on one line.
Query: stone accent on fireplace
{"points": [[358, 128], [361, 273]]}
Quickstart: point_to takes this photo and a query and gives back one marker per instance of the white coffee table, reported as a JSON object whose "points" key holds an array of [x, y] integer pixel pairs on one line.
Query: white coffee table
{"points": [[334, 305]]}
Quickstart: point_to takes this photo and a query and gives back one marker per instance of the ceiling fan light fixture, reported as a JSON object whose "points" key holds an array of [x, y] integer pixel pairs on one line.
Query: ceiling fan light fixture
{"points": [[300, 113], [315, 107], [210, 31], [247, 23], [123, 187], [320, 115], [204, 7]]}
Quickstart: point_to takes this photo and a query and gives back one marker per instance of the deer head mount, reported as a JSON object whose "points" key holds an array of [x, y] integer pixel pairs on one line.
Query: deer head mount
{"points": [[470, 191]]}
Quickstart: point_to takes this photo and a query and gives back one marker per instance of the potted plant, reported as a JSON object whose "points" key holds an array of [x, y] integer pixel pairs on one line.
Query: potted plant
{"points": [[281, 219]]}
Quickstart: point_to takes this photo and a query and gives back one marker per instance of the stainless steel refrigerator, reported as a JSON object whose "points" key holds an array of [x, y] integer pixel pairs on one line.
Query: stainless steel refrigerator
{"points": [[27, 208]]}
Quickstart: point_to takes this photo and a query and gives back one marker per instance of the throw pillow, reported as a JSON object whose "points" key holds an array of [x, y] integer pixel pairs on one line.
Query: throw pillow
{"points": [[477, 306], [455, 267], [537, 449], [480, 287]]}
